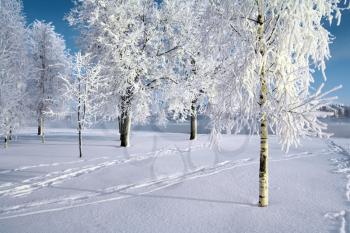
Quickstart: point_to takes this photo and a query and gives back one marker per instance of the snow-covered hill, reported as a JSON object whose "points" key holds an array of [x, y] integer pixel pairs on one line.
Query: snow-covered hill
{"points": [[164, 183]]}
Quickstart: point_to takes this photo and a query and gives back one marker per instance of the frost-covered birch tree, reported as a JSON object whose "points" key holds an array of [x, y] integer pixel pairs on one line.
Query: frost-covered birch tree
{"points": [[81, 93], [194, 57], [284, 41], [123, 37], [49, 58], [14, 67]]}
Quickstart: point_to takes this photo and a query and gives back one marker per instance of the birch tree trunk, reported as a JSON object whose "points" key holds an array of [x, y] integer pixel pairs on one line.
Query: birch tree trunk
{"points": [[43, 92], [125, 129], [39, 126], [42, 129], [125, 118], [5, 141], [10, 134], [120, 127], [81, 115], [193, 120], [80, 142], [80, 139], [263, 169]]}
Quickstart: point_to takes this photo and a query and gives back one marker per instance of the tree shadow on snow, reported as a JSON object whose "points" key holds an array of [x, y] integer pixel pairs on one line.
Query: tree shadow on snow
{"points": [[196, 199], [189, 199]]}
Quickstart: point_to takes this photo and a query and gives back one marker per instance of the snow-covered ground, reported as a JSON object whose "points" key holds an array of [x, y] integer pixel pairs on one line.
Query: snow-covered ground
{"points": [[164, 183]]}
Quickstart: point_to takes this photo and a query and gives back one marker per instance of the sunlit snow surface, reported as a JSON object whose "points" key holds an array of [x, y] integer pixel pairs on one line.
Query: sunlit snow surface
{"points": [[165, 183]]}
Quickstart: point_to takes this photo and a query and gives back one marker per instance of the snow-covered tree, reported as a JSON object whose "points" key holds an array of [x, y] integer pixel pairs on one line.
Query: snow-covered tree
{"points": [[283, 42], [14, 68], [123, 37], [49, 58], [81, 93], [194, 58]]}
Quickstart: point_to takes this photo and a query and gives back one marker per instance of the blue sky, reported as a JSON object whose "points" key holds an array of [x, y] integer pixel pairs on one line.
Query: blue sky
{"points": [[338, 68], [51, 11]]}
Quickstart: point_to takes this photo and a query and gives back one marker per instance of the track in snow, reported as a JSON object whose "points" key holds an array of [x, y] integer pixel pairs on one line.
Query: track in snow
{"points": [[28, 186], [129, 190], [341, 218]]}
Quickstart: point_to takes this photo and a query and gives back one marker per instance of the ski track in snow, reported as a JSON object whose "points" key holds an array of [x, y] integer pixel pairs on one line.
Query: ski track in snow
{"points": [[56, 164], [124, 191], [23, 168], [153, 185], [341, 218], [27, 186]]}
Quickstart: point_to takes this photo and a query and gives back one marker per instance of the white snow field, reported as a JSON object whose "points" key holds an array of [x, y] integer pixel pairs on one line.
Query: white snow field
{"points": [[165, 184]]}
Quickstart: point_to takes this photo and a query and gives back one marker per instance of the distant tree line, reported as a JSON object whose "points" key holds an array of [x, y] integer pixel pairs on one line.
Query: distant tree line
{"points": [[337, 110]]}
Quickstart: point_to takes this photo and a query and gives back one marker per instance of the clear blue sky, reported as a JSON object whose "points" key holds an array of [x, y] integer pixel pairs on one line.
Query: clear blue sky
{"points": [[338, 68]]}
